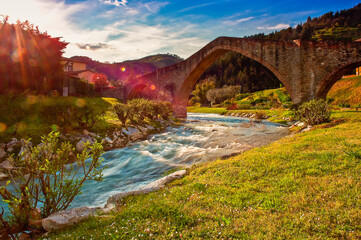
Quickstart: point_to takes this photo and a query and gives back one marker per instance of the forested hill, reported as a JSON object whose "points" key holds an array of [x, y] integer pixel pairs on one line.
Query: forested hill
{"points": [[342, 25], [236, 69], [122, 71]]}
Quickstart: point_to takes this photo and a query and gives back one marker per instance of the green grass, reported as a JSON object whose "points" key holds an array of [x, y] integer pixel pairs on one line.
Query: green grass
{"points": [[21, 116], [346, 90], [206, 110], [303, 187]]}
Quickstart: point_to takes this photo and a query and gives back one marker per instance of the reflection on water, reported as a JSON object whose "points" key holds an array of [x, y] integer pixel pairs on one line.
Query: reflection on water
{"points": [[203, 137]]}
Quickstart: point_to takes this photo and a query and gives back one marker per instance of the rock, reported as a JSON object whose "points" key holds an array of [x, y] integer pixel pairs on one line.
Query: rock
{"points": [[24, 236], [2, 153], [10, 149], [86, 132], [12, 143], [63, 137], [3, 176], [67, 218], [94, 135], [154, 186], [130, 131], [165, 180], [81, 144], [301, 124], [107, 139], [149, 127], [2, 145], [7, 165], [308, 128]]}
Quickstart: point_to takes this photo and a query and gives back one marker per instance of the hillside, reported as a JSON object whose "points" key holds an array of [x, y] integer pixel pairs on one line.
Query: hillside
{"points": [[342, 25], [121, 71], [346, 92]]}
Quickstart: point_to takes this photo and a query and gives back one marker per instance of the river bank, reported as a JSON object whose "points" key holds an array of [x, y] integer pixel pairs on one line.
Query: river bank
{"points": [[304, 186]]}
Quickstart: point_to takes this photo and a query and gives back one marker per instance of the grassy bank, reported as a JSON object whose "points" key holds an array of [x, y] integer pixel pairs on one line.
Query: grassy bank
{"points": [[301, 187], [30, 116]]}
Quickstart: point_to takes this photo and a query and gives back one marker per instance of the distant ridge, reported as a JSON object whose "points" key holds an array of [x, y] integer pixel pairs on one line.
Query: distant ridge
{"points": [[123, 71]]}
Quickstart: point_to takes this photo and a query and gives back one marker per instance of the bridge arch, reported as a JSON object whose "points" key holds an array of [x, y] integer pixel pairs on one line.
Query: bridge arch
{"points": [[208, 56], [334, 76]]}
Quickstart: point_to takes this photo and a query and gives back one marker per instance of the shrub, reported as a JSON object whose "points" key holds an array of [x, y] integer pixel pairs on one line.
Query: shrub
{"points": [[216, 96], [122, 111], [86, 116], [241, 96], [344, 105], [313, 112], [244, 106], [42, 179], [68, 114], [260, 115], [138, 111]]}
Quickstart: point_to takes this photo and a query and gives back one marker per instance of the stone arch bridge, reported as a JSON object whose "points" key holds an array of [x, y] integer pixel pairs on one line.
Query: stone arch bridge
{"points": [[307, 69]]}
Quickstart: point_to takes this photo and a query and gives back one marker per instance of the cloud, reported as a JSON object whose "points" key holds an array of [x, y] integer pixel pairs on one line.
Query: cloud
{"points": [[92, 47], [197, 6], [155, 7], [237, 21], [114, 38], [115, 2], [277, 27]]}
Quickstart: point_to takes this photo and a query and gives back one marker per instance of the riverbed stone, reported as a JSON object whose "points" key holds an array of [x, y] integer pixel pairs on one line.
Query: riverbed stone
{"points": [[3, 176], [66, 218], [81, 144], [7, 165], [2, 153]]}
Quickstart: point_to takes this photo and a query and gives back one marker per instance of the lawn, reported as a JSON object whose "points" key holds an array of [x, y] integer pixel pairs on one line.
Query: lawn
{"points": [[307, 186]]}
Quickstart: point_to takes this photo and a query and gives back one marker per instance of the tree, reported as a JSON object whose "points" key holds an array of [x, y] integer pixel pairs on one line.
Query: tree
{"points": [[44, 183], [199, 94], [31, 60], [100, 80]]}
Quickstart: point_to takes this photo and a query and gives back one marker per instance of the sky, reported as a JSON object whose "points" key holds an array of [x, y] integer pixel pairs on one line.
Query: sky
{"points": [[118, 30]]}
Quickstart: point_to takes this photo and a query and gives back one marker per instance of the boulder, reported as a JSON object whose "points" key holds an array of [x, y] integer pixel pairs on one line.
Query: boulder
{"points": [[66, 218], [7, 165]]}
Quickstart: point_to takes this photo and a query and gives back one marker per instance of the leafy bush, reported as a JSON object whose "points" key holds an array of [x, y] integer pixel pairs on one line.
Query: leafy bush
{"points": [[83, 88], [199, 94], [283, 96], [344, 105], [260, 115], [230, 104], [244, 106], [241, 96], [70, 114], [87, 115], [42, 179], [122, 111], [313, 112], [218, 95], [139, 111]]}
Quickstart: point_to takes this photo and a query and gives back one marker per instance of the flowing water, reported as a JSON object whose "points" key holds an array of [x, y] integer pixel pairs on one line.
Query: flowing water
{"points": [[202, 137]]}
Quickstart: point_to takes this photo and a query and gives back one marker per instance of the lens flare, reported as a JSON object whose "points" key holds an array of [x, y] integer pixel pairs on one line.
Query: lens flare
{"points": [[80, 102], [54, 127], [152, 87], [3, 127], [123, 69]]}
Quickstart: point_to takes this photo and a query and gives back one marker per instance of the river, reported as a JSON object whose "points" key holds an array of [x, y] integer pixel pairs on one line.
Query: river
{"points": [[202, 137]]}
